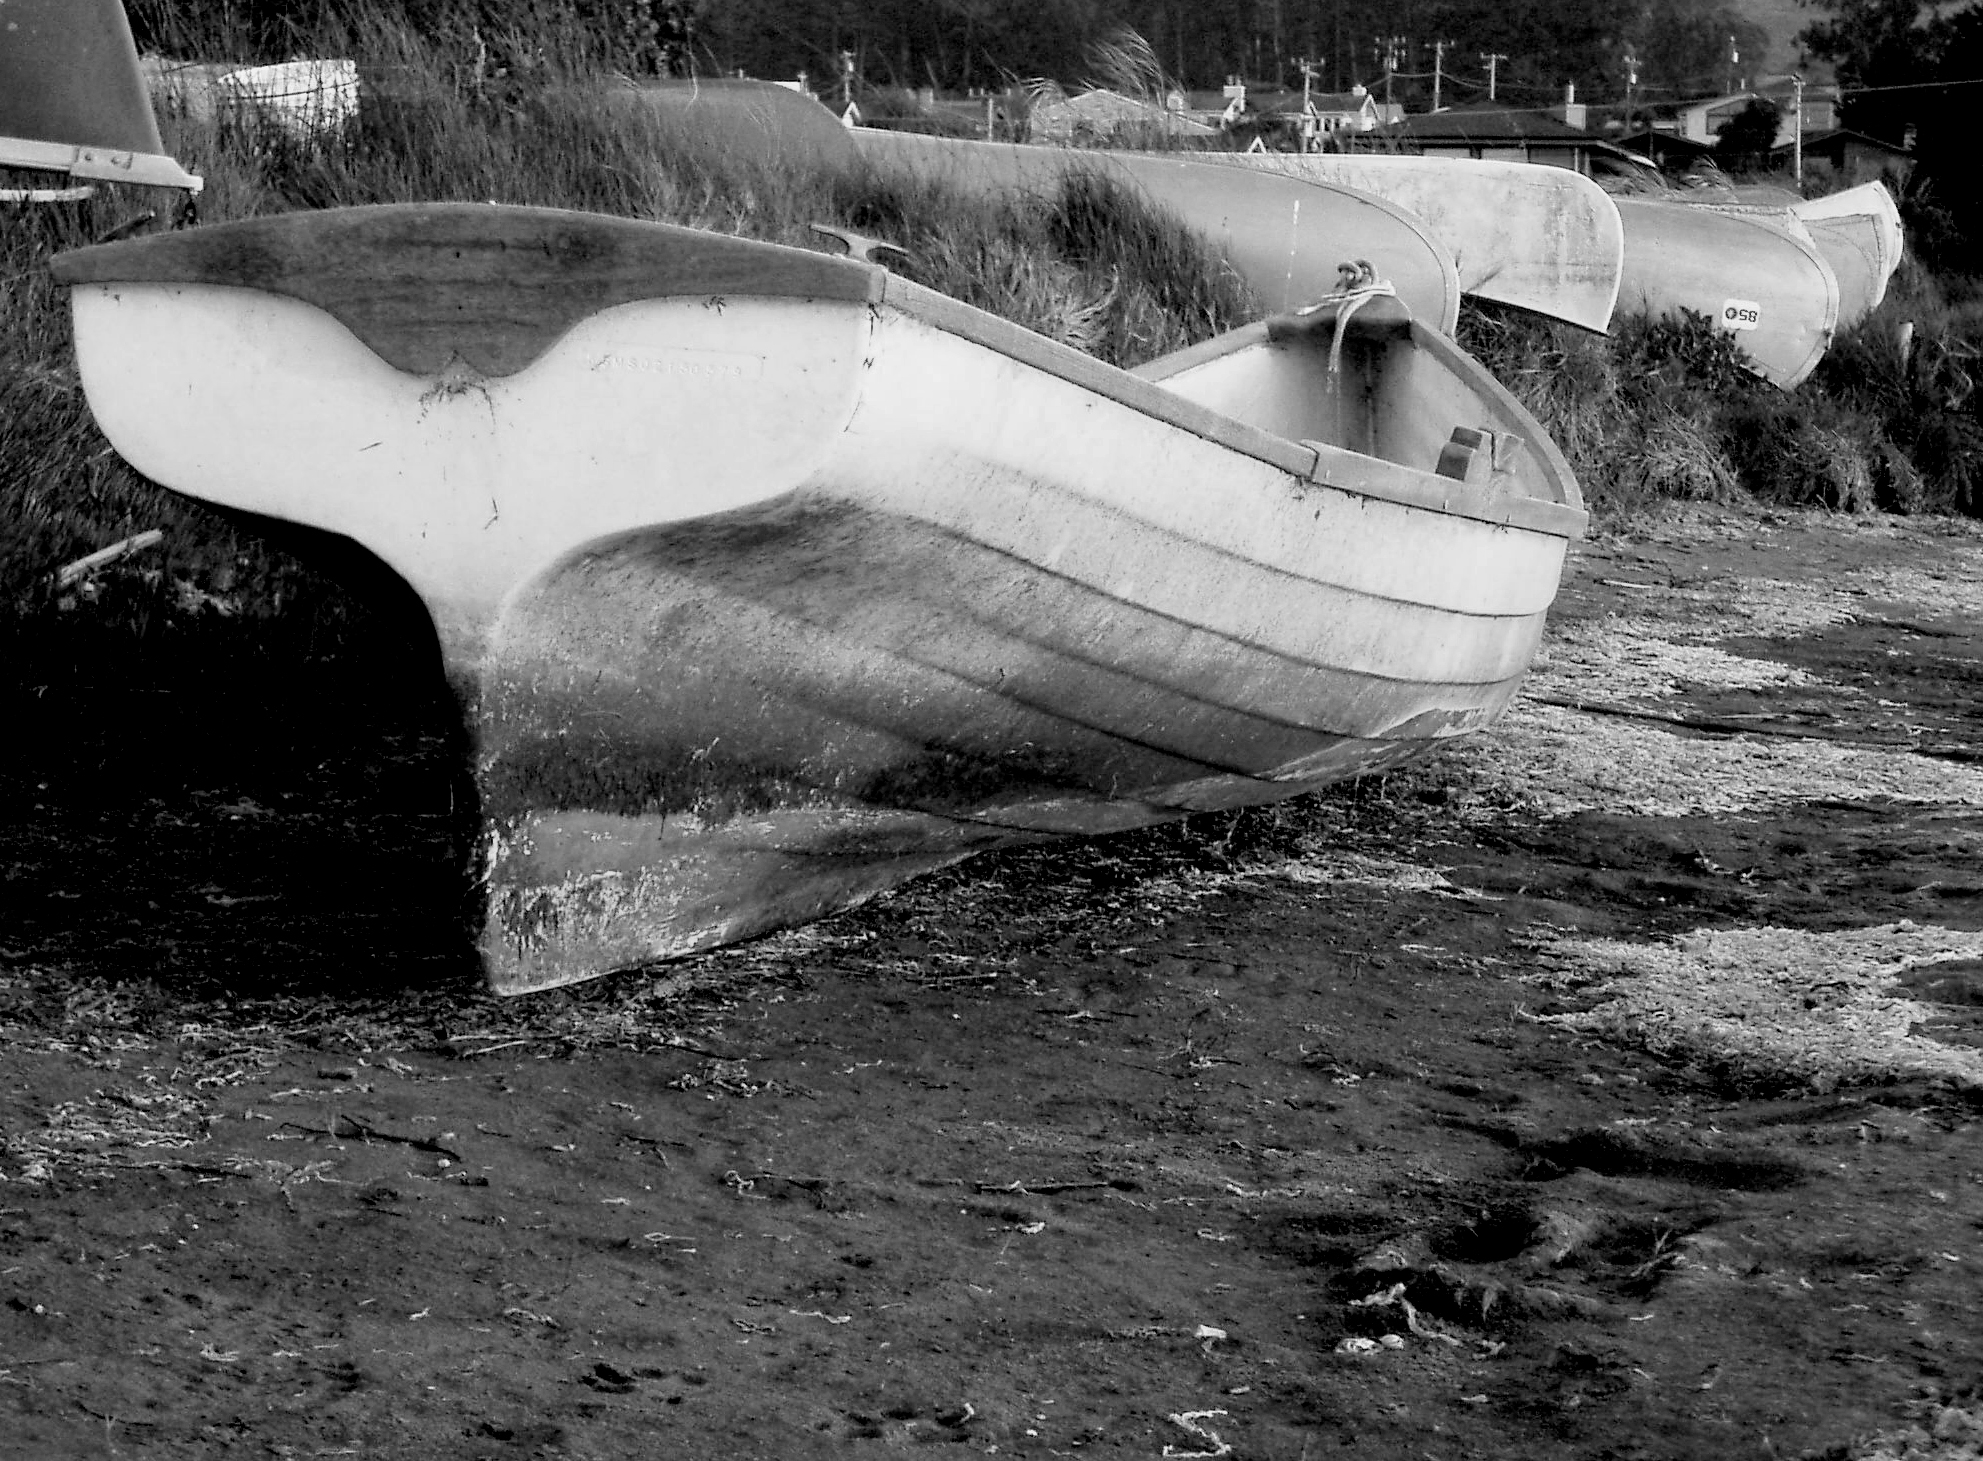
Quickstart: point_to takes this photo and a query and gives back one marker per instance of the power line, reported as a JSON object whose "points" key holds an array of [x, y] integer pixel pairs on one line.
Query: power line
{"points": [[1910, 86]]}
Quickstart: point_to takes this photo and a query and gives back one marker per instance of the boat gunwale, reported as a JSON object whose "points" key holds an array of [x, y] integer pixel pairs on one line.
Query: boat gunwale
{"points": [[98, 164], [1140, 391]]}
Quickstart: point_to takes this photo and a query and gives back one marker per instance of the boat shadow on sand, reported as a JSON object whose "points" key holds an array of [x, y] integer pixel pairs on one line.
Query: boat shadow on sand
{"points": [[191, 805]]}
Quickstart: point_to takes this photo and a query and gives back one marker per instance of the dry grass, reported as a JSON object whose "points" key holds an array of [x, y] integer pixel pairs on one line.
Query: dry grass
{"points": [[1663, 411]]}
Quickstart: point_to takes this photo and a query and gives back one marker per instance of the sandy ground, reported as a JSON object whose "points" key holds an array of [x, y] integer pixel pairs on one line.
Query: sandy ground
{"points": [[1607, 1087]]}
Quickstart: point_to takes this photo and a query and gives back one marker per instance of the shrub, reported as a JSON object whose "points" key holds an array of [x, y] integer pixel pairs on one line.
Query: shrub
{"points": [[1635, 412]]}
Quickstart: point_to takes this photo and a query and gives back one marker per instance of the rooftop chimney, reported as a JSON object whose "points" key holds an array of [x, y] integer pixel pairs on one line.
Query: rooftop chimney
{"points": [[1573, 110]]}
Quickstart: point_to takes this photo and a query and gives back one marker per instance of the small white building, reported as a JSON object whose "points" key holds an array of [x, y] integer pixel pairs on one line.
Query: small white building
{"points": [[1702, 121]]}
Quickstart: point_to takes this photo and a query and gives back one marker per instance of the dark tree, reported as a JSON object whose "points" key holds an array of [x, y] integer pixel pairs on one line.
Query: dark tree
{"points": [[1745, 139], [1906, 71], [1875, 44]]}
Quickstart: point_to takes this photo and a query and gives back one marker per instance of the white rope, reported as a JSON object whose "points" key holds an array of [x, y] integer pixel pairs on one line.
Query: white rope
{"points": [[1360, 285]]}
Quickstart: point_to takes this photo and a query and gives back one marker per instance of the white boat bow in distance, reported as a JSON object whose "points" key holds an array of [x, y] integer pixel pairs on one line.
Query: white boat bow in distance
{"points": [[1543, 239], [770, 579], [1750, 273]]}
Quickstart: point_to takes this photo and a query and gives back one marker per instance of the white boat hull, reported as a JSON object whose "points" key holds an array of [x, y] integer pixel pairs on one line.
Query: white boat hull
{"points": [[72, 99], [1539, 238], [1287, 237], [1767, 285], [760, 602], [1852, 245], [1870, 200]]}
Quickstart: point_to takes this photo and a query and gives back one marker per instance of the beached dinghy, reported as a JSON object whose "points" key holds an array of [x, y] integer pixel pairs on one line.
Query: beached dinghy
{"points": [[772, 579], [1287, 237], [1753, 276], [1540, 238], [72, 99]]}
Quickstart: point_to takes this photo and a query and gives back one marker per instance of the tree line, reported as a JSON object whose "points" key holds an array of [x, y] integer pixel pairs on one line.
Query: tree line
{"points": [[1672, 47], [1913, 74]]}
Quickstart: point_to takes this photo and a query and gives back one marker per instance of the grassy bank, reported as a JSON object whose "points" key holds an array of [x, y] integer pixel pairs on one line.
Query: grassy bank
{"points": [[1662, 410]]}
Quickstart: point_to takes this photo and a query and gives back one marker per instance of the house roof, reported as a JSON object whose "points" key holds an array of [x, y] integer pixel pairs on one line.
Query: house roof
{"points": [[1817, 141], [1664, 145], [1283, 99], [1490, 125], [1715, 103], [1779, 90]]}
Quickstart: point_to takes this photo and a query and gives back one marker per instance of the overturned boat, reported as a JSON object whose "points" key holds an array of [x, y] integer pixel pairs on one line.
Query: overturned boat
{"points": [[1868, 201], [770, 579], [739, 116], [1543, 239], [72, 99], [1757, 275], [1285, 236], [1852, 245]]}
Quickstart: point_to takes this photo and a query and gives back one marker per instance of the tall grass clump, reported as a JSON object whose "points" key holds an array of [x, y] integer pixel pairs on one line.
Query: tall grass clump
{"points": [[1663, 409], [1632, 412], [1910, 371]]}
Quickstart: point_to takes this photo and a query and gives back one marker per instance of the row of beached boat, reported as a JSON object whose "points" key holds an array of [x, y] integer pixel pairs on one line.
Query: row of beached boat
{"points": [[1781, 278], [768, 579]]}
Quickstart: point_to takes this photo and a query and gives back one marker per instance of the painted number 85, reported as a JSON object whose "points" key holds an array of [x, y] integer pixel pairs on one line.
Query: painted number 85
{"points": [[1740, 314]]}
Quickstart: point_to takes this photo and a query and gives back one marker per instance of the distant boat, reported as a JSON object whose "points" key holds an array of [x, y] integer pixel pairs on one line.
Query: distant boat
{"points": [[1286, 237], [1858, 231], [771, 579], [298, 98], [1868, 200], [72, 100], [756, 119], [1753, 276], [1539, 238], [1852, 246]]}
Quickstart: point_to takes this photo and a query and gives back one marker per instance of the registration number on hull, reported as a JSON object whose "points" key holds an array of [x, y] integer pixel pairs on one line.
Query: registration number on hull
{"points": [[1740, 314]]}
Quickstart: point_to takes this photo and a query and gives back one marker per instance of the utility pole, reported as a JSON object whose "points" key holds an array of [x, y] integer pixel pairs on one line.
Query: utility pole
{"points": [[1493, 59], [1308, 125], [1438, 64], [1392, 46], [1631, 80], [1734, 57], [1797, 131]]}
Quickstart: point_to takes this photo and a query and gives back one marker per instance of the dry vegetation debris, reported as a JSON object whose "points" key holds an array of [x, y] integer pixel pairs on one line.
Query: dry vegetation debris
{"points": [[1942, 1430], [1558, 762], [1551, 755], [1770, 1004]]}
